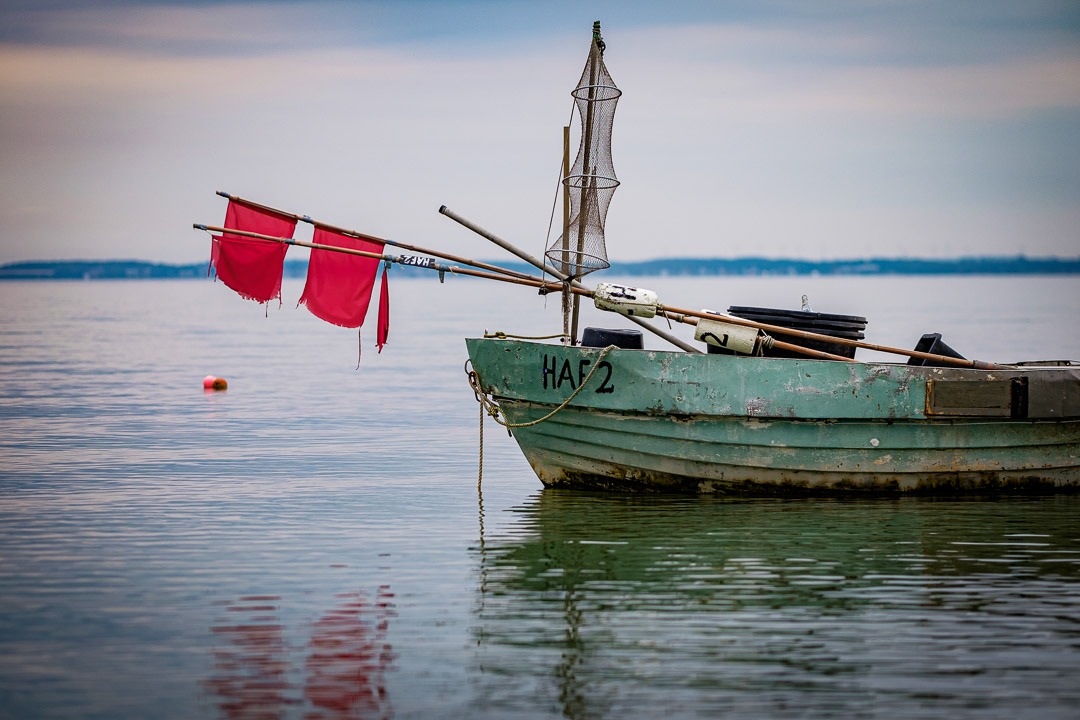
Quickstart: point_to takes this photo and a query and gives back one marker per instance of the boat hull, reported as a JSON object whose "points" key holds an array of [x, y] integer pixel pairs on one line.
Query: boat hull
{"points": [[676, 422]]}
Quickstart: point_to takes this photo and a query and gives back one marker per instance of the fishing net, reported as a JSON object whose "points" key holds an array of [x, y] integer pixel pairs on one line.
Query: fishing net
{"points": [[591, 183]]}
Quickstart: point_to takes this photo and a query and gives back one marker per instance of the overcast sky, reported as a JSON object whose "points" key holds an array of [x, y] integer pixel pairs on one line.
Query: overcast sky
{"points": [[838, 128]]}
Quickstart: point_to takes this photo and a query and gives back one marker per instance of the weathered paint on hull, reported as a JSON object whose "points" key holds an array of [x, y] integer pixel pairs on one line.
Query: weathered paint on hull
{"points": [[692, 423], [749, 457]]}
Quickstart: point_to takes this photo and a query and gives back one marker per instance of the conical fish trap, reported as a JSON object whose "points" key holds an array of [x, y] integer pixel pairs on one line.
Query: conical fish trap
{"points": [[591, 183]]}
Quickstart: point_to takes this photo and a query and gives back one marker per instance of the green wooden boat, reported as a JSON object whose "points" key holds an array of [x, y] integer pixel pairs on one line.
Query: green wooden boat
{"points": [[790, 412], [709, 423]]}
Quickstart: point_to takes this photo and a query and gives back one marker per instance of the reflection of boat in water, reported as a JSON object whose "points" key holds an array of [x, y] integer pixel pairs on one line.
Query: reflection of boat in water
{"points": [[592, 600], [708, 549]]}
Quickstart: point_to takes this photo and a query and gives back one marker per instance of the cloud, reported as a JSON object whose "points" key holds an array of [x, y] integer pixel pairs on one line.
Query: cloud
{"points": [[831, 135]]}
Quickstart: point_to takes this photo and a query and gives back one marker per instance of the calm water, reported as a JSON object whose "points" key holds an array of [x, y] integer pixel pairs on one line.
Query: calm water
{"points": [[313, 542]]}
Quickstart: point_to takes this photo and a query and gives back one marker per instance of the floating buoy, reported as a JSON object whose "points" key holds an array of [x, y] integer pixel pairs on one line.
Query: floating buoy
{"points": [[214, 383]]}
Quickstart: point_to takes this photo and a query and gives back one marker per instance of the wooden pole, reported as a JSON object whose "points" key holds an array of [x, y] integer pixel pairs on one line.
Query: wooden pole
{"points": [[527, 281], [512, 249], [516, 278], [682, 315], [587, 184], [679, 313], [582, 208], [365, 236], [566, 194], [567, 297], [540, 265]]}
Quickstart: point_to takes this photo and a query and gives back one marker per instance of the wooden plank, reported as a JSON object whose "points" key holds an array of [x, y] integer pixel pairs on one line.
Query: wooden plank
{"points": [[969, 398]]}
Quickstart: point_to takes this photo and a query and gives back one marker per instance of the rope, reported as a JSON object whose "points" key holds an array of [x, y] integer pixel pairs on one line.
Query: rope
{"points": [[480, 464], [492, 408], [498, 335]]}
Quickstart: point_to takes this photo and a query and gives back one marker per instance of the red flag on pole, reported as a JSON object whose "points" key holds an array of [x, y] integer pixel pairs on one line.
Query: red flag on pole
{"points": [[249, 266], [338, 288], [384, 310]]}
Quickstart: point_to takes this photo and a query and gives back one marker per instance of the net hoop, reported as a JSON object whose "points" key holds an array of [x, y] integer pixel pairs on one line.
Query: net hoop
{"points": [[602, 93], [580, 260], [585, 180]]}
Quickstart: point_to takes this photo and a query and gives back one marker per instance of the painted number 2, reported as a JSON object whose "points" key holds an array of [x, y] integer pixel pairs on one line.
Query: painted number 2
{"points": [[715, 340], [555, 376]]}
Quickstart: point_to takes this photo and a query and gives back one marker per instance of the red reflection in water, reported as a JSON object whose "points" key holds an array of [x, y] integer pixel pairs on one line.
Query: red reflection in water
{"points": [[347, 658], [252, 662]]}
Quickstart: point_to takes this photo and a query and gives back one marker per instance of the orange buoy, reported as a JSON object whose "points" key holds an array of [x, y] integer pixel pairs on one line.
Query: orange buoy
{"points": [[211, 382]]}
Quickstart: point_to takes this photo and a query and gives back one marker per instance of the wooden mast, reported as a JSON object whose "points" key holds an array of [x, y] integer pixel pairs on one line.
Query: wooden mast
{"points": [[588, 181], [567, 296]]}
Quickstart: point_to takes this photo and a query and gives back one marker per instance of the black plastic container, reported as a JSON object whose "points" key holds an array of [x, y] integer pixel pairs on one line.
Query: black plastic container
{"points": [[620, 338], [931, 343], [849, 327]]}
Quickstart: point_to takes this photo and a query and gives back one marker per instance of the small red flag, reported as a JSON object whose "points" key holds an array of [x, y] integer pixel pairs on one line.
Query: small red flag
{"points": [[249, 266], [339, 285], [384, 310]]}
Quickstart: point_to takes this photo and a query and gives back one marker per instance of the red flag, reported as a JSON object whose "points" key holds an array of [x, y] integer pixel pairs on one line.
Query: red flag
{"points": [[339, 285], [252, 267], [384, 310]]}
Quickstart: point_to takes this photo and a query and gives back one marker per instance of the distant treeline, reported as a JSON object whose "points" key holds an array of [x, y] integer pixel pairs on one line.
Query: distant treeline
{"points": [[1017, 265]]}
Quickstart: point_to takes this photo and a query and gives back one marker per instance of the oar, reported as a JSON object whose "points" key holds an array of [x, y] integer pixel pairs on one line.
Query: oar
{"points": [[372, 238], [543, 267]]}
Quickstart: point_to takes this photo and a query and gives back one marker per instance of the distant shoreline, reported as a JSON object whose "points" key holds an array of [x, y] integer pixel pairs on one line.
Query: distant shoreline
{"points": [[985, 265]]}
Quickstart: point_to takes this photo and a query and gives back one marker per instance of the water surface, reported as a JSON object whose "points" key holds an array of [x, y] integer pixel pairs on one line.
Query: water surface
{"points": [[314, 543]]}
